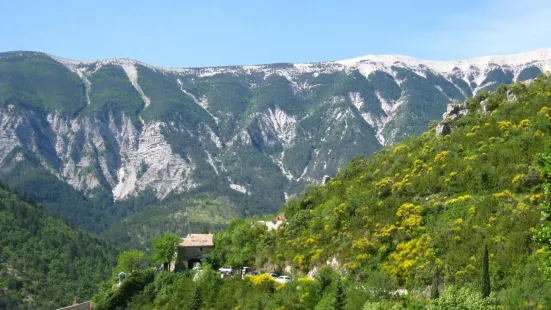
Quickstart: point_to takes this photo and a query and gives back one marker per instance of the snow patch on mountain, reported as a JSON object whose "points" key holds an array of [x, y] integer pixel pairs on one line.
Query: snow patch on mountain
{"points": [[541, 58], [365, 64]]}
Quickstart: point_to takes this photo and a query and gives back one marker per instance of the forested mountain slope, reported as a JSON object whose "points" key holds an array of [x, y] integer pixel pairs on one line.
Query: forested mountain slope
{"points": [[121, 130], [44, 263]]}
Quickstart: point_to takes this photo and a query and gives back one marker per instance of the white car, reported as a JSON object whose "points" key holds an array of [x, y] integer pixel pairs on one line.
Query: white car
{"points": [[283, 279], [226, 270]]}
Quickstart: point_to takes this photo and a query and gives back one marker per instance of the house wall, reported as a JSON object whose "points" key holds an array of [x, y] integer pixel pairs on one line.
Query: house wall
{"points": [[185, 254]]}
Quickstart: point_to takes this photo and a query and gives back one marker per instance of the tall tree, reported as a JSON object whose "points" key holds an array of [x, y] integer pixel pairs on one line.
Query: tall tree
{"points": [[130, 261], [340, 298], [197, 300], [163, 249], [485, 274], [434, 293]]}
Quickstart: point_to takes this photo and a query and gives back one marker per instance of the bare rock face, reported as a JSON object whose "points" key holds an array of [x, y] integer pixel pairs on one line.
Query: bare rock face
{"points": [[89, 152], [443, 129], [326, 180], [511, 97], [455, 110], [485, 106]]}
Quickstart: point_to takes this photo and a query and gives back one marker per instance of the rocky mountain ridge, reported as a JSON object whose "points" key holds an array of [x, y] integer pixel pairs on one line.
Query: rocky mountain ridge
{"points": [[119, 127]]}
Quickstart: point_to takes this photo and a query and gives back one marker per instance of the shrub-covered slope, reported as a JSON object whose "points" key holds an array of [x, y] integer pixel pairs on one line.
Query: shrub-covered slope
{"points": [[431, 202], [44, 263]]}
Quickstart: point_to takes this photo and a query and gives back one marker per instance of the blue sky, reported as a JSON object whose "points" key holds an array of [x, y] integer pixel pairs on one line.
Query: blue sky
{"points": [[184, 33]]}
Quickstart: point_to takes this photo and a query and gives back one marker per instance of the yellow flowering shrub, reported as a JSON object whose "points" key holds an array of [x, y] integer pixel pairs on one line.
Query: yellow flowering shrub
{"points": [[524, 124], [401, 187], [504, 194], [440, 158], [504, 125], [386, 231], [522, 207], [535, 198], [518, 180], [360, 258], [400, 149], [458, 199], [384, 186], [402, 261], [260, 279], [408, 209], [363, 244], [544, 110], [316, 254], [300, 261]]}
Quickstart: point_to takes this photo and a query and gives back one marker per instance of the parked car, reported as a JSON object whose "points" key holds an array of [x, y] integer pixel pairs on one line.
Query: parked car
{"points": [[226, 270], [283, 279], [274, 275], [245, 271]]}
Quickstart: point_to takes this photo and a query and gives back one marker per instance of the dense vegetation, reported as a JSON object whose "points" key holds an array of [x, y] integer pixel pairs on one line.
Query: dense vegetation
{"points": [[44, 263], [451, 216], [40, 83]]}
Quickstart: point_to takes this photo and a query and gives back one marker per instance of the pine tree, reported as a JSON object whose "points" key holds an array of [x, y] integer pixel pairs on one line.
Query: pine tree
{"points": [[485, 274], [340, 298], [434, 293], [197, 301]]}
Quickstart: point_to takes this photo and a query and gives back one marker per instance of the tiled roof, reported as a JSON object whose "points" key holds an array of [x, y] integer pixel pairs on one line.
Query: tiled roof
{"points": [[194, 240]]}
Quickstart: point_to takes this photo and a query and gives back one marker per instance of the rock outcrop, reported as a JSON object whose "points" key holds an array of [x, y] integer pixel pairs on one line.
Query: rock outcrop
{"points": [[455, 110], [443, 129]]}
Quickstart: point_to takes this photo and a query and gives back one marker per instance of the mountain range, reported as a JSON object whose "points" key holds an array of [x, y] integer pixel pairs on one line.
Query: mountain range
{"points": [[82, 136]]}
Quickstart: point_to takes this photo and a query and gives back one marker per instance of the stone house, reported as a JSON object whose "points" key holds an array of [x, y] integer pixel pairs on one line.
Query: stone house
{"points": [[191, 250]]}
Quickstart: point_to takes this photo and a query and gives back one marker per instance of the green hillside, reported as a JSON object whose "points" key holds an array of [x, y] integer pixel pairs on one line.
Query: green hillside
{"points": [[44, 263], [182, 214], [415, 216]]}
